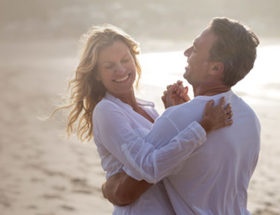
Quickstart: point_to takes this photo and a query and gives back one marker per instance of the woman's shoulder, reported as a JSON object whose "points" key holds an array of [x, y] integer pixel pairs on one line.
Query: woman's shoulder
{"points": [[105, 106], [105, 103]]}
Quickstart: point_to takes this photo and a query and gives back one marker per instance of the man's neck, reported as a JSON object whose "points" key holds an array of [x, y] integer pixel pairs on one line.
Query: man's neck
{"points": [[209, 90]]}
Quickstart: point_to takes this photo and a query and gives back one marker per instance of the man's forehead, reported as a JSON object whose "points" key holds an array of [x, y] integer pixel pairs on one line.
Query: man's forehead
{"points": [[206, 36]]}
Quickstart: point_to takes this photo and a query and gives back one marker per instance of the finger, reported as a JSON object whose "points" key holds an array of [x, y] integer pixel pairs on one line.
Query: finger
{"points": [[169, 91], [229, 115], [228, 108], [184, 94], [228, 112], [180, 90], [168, 86], [173, 88], [185, 90], [229, 122], [222, 102], [209, 104], [179, 82]]}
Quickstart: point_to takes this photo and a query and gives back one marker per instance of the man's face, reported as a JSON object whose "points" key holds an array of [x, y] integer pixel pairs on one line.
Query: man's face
{"points": [[198, 55]]}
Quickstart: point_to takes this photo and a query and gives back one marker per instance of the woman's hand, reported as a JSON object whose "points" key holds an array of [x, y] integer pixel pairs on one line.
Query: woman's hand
{"points": [[215, 117], [175, 94]]}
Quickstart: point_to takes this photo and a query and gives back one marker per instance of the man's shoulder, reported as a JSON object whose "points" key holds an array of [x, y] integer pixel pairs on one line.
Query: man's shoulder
{"points": [[192, 106], [182, 115]]}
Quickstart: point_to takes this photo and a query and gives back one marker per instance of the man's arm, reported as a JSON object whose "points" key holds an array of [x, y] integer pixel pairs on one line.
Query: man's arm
{"points": [[121, 189]]}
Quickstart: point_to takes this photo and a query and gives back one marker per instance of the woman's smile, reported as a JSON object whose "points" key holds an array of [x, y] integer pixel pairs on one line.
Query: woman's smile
{"points": [[123, 79]]}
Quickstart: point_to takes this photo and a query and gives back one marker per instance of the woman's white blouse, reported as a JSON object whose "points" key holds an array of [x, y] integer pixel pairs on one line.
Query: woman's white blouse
{"points": [[117, 127]]}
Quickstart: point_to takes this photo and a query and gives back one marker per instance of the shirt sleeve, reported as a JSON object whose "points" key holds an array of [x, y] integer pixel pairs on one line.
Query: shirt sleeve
{"points": [[139, 156], [156, 163]]}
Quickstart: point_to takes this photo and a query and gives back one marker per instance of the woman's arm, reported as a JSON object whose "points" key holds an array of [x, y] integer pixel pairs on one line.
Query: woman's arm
{"points": [[121, 189]]}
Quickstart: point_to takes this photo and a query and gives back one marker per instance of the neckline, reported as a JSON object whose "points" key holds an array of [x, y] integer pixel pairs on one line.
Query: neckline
{"points": [[227, 95], [142, 103]]}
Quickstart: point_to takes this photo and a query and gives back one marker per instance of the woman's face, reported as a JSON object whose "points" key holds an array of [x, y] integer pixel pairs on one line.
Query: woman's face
{"points": [[116, 69]]}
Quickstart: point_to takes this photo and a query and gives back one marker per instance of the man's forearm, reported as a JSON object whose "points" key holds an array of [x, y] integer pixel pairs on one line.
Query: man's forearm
{"points": [[121, 189]]}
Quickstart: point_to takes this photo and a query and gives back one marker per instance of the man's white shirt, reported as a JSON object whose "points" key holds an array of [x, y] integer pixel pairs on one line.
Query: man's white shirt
{"points": [[214, 178]]}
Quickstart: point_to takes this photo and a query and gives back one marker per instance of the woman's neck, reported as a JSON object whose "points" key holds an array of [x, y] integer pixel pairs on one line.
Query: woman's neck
{"points": [[130, 99]]}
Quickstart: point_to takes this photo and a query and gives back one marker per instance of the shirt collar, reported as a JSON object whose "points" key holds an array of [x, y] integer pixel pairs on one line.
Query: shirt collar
{"points": [[140, 102], [227, 96]]}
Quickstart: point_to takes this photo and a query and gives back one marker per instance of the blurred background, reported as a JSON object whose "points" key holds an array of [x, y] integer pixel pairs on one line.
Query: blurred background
{"points": [[155, 20], [43, 173]]}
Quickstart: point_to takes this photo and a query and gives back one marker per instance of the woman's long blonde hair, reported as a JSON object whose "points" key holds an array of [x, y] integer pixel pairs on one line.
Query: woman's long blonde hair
{"points": [[85, 90]]}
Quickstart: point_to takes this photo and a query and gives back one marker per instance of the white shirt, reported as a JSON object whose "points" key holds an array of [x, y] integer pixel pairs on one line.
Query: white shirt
{"points": [[214, 179], [116, 124]]}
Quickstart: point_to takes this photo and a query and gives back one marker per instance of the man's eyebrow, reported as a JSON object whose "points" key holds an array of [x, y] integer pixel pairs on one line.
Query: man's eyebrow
{"points": [[125, 55]]}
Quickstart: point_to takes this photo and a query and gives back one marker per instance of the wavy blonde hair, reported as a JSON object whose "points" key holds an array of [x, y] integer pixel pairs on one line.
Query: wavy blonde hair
{"points": [[85, 90]]}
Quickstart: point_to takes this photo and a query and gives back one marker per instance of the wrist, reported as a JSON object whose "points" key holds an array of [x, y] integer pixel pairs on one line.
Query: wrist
{"points": [[103, 190], [206, 125]]}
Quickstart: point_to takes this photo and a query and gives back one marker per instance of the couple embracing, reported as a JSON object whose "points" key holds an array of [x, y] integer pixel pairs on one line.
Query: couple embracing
{"points": [[197, 158]]}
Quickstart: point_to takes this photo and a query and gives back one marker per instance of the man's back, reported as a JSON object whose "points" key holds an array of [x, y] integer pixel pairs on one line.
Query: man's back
{"points": [[215, 178]]}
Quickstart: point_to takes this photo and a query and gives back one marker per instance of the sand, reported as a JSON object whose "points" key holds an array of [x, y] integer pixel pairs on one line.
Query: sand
{"points": [[43, 173]]}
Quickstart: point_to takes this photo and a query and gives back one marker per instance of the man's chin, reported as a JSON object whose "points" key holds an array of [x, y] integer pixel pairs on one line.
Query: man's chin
{"points": [[187, 77]]}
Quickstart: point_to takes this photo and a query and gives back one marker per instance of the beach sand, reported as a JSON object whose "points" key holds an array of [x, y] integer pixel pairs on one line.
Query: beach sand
{"points": [[43, 173]]}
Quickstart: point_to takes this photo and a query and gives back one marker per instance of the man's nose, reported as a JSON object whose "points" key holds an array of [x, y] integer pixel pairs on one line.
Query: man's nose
{"points": [[188, 52]]}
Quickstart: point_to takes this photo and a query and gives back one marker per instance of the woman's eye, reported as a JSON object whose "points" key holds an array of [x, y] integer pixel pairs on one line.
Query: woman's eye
{"points": [[109, 66]]}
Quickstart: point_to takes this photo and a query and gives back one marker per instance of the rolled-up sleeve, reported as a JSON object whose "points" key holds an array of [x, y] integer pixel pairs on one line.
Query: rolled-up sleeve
{"points": [[156, 163]]}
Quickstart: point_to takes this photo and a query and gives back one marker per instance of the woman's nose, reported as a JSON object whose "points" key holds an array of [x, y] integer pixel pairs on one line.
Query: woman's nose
{"points": [[120, 68]]}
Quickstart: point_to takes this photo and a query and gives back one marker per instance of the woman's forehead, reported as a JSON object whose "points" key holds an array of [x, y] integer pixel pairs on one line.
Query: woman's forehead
{"points": [[115, 50]]}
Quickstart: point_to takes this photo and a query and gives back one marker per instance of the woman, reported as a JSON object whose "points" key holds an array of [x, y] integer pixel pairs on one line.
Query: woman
{"points": [[102, 96]]}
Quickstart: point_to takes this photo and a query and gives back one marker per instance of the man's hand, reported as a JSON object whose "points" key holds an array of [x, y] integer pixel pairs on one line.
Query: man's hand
{"points": [[121, 189], [175, 94]]}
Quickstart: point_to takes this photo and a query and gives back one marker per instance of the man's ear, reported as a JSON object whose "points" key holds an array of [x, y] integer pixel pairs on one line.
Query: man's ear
{"points": [[217, 68]]}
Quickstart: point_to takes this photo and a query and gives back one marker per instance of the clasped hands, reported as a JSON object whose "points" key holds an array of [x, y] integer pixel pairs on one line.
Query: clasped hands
{"points": [[175, 94]]}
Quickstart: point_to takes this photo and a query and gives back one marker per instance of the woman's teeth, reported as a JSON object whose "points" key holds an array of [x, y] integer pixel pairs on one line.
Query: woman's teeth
{"points": [[122, 79]]}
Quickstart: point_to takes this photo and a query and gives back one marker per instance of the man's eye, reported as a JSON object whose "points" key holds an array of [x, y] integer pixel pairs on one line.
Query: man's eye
{"points": [[126, 60]]}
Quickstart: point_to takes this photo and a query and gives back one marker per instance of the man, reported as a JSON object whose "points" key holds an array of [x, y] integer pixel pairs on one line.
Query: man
{"points": [[214, 179]]}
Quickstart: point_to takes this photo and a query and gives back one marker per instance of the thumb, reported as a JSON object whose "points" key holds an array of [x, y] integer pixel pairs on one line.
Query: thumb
{"points": [[186, 89]]}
